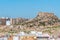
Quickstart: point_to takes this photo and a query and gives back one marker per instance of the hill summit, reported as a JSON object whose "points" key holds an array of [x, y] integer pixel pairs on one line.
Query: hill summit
{"points": [[43, 19]]}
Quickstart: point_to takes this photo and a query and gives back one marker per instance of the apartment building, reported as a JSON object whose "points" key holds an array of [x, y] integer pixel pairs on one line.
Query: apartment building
{"points": [[2, 21], [14, 21]]}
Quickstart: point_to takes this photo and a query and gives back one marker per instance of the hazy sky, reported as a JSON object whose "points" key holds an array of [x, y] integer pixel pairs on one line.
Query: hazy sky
{"points": [[28, 8]]}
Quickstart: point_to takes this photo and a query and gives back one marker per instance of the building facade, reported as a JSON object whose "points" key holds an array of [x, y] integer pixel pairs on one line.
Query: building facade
{"points": [[2, 21]]}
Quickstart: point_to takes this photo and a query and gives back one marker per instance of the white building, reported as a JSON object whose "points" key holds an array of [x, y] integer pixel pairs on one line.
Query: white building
{"points": [[15, 37]]}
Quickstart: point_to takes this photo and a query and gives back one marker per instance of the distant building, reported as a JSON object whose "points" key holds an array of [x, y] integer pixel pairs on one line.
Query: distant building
{"points": [[7, 21], [12, 21], [2, 21]]}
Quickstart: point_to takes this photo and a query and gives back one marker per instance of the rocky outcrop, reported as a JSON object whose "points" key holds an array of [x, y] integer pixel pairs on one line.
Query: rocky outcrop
{"points": [[42, 19]]}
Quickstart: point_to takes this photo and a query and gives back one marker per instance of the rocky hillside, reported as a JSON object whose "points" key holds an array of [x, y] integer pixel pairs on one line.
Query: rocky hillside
{"points": [[45, 22], [43, 19]]}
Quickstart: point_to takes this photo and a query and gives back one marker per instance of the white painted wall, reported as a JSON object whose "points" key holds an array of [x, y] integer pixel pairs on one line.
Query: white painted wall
{"points": [[5, 38], [7, 22], [15, 38]]}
